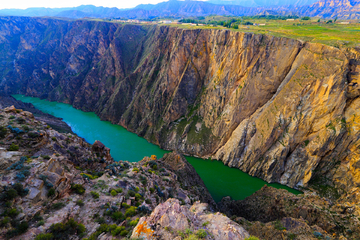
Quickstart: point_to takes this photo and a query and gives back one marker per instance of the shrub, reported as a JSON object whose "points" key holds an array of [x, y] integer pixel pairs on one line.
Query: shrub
{"points": [[153, 165], [124, 233], [117, 216], [5, 221], [18, 165], [119, 190], [47, 157], [62, 231], [152, 190], [135, 169], [134, 222], [131, 211], [78, 188], [3, 132], [44, 236], [20, 120], [40, 223], [138, 197], [95, 195], [11, 192], [113, 193], [15, 130], [252, 238], [124, 205], [131, 193], [58, 205], [80, 203], [13, 212], [13, 147], [20, 229], [117, 231], [51, 192], [201, 233]]}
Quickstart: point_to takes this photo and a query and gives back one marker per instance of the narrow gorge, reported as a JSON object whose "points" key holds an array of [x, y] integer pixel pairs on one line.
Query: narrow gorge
{"points": [[277, 108]]}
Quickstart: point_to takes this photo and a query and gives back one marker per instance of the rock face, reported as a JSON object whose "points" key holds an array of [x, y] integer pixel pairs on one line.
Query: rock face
{"points": [[274, 210], [279, 109], [170, 220], [186, 176]]}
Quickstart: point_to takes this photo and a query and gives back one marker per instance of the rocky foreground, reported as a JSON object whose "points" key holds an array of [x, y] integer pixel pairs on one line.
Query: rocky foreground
{"points": [[56, 186]]}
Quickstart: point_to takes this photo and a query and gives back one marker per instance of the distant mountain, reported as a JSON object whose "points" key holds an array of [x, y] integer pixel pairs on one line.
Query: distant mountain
{"points": [[264, 3], [343, 9], [171, 8]]}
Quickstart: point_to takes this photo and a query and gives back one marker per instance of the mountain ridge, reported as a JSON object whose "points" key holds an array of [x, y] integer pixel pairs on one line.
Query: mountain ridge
{"points": [[344, 9]]}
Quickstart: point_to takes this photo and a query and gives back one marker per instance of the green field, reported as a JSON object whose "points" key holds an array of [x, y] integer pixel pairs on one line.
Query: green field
{"points": [[334, 34]]}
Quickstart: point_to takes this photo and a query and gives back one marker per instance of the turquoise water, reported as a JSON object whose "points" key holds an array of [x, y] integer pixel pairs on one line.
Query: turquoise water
{"points": [[219, 179]]}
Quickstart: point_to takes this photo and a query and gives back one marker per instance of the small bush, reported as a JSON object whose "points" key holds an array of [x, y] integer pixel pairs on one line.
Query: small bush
{"points": [[201, 233], [124, 205], [80, 203], [113, 193], [131, 193], [124, 233], [138, 197], [117, 216], [12, 213], [131, 211], [95, 195], [44, 236], [5, 221], [117, 231], [3, 132], [78, 188], [51, 192], [57, 206], [252, 238], [11, 192], [152, 190], [62, 231], [134, 222], [40, 223], [119, 190], [13, 147], [20, 229]]}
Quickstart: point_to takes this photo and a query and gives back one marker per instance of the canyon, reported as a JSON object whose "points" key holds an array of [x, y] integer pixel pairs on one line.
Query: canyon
{"points": [[277, 108]]}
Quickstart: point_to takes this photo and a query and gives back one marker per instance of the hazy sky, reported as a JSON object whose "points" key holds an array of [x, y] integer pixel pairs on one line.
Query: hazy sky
{"points": [[22, 4]]}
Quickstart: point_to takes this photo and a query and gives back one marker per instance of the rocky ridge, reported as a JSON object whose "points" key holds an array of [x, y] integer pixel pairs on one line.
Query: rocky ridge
{"points": [[55, 185], [276, 108]]}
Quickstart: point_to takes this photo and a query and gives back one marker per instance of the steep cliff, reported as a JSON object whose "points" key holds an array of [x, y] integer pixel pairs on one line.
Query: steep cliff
{"points": [[277, 108]]}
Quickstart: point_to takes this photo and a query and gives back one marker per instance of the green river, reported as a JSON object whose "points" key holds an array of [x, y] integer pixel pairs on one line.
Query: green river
{"points": [[219, 179]]}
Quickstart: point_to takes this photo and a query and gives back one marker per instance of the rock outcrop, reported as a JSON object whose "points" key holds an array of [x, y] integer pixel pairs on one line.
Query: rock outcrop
{"points": [[278, 214], [170, 220], [53, 182], [277, 108], [54, 122]]}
